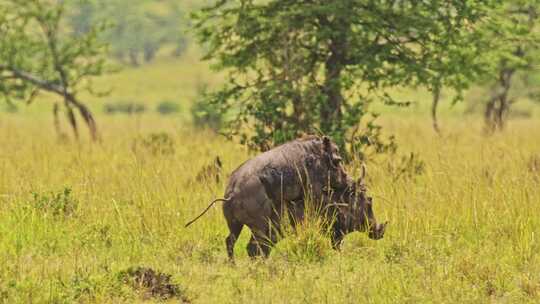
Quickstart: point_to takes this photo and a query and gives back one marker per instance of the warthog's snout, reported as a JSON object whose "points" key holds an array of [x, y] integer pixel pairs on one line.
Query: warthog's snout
{"points": [[377, 231]]}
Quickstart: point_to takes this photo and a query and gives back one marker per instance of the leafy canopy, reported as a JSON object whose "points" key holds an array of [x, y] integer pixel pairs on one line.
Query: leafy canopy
{"points": [[299, 66]]}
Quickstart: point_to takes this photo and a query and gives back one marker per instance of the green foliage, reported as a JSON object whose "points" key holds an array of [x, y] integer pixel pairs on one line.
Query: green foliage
{"points": [[204, 112], [59, 204], [138, 30], [513, 38], [298, 66], [36, 54], [168, 107], [32, 41]]}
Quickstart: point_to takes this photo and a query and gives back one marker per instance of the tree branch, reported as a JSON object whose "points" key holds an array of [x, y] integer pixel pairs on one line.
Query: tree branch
{"points": [[53, 87]]}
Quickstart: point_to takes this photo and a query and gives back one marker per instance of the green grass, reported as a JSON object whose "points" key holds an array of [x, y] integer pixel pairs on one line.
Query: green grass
{"points": [[464, 231]]}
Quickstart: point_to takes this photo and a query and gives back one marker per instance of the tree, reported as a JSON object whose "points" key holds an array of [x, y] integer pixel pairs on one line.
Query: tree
{"points": [[509, 41], [297, 66], [514, 36], [37, 55]]}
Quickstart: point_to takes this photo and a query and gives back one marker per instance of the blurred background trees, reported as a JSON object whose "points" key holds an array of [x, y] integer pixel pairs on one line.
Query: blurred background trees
{"points": [[138, 29], [513, 37], [291, 67], [296, 67]]}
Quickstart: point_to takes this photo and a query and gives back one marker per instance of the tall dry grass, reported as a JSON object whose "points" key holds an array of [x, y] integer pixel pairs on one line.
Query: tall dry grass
{"points": [[467, 230]]}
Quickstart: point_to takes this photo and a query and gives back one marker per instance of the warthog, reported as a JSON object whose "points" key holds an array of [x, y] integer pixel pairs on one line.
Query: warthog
{"points": [[262, 188]]}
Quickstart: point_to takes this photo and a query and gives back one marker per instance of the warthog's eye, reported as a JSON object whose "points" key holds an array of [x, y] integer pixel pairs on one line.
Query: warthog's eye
{"points": [[334, 161]]}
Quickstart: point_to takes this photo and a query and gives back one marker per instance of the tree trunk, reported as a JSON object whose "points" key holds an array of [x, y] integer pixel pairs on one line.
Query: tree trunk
{"points": [[149, 52], [435, 104], [56, 121], [133, 57], [87, 116], [72, 121], [331, 112], [499, 104]]}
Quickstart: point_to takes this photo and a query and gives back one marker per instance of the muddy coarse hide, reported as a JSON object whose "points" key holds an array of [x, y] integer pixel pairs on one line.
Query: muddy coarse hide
{"points": [[262, 188]]}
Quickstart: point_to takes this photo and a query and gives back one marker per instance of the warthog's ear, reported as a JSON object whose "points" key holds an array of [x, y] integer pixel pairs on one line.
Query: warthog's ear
{"points": [[327, 143]]}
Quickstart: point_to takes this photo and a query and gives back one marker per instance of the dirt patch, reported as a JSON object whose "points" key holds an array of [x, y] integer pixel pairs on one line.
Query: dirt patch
{"points": [[152, 284]]}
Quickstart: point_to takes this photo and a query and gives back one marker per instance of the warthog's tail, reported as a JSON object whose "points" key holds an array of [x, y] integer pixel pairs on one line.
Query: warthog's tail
{"points": [[206, 210]]}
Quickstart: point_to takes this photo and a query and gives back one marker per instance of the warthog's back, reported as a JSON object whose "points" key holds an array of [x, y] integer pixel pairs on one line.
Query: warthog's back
{"points": [[288, 157]]}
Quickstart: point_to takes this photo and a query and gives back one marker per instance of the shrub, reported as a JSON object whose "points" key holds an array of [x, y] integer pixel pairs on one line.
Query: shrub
{"points": [[205, 114], [59, 204], [124, 107], [168, 107]]}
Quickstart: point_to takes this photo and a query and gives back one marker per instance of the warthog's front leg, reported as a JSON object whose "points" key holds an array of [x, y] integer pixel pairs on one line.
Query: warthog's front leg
{"points": [[337, 238]]}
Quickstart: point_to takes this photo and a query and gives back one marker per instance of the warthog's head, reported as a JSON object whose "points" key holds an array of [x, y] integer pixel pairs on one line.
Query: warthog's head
{"points": [[355, 212]]}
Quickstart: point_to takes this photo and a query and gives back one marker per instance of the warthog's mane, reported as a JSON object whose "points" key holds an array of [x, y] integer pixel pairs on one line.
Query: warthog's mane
{"points": [[311, 144]]}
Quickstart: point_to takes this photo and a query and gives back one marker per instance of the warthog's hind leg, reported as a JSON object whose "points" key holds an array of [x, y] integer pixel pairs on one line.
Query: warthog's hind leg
{"points": [[235, 228]]}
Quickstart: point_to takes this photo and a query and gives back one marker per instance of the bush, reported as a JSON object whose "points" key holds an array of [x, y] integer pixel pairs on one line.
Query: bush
{"points": [[204, 113], [168, 107], [124, 107], [60, 204]]}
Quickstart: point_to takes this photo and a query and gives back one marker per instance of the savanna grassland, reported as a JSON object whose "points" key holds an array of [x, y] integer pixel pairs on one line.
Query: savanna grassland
{"points": [[75, 216]]}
